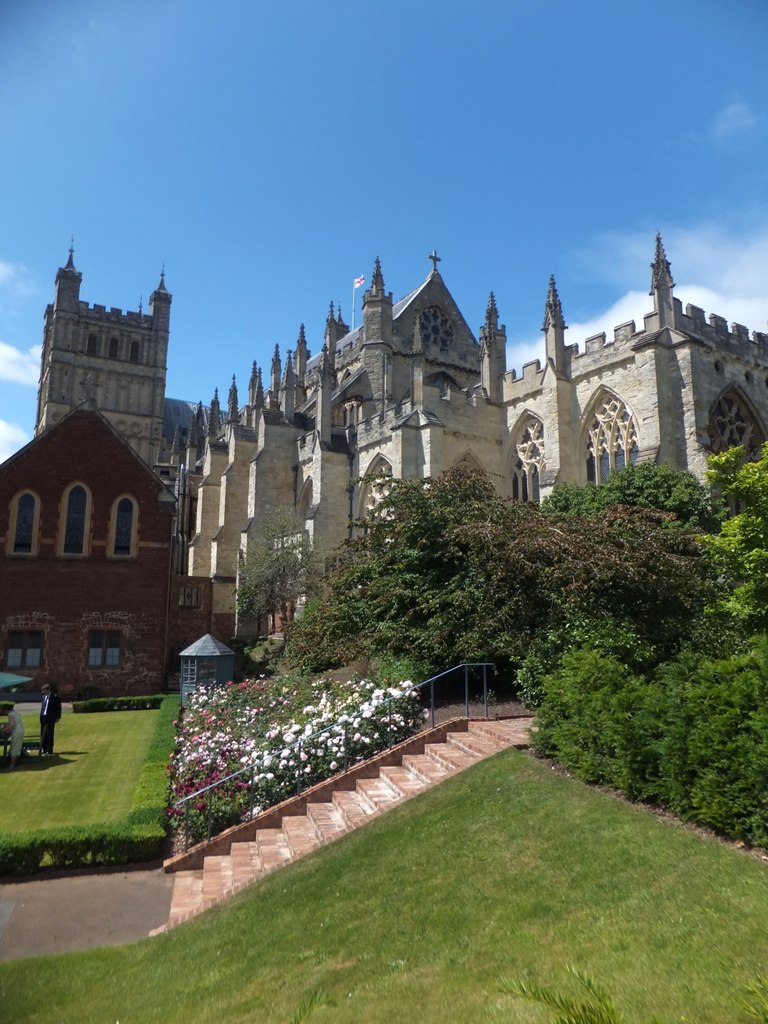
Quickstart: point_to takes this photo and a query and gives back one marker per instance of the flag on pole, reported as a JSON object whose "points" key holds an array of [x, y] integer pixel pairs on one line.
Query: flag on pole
{"points": [[359, 281]]}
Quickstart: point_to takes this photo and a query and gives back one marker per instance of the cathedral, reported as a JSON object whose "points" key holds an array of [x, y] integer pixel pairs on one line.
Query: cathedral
{"points": [[409, 393]]}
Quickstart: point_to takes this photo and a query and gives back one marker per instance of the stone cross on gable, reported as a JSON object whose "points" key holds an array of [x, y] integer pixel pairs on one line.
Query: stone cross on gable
{"points": [[88, 387], [435, 259]]}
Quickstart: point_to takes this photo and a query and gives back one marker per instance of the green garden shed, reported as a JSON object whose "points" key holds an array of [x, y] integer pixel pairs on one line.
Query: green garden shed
{"points": [[206, 662]]}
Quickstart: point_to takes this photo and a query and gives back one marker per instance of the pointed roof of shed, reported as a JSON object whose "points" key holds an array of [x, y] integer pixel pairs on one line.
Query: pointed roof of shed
{"points": [[206, 647]]}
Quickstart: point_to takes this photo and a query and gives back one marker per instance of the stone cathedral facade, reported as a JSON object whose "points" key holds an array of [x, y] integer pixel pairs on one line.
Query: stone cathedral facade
{"points": [[409, 393]]}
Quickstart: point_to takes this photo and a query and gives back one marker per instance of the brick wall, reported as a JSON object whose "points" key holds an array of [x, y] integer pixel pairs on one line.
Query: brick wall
{"points": [[69, 599]]}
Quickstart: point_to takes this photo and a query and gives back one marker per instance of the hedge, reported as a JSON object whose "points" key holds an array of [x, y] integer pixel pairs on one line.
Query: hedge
{"points": [[693, 738], [118, 704], [140, 837]]}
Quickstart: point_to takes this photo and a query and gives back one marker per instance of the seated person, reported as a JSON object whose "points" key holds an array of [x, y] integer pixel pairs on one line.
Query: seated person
{"points": [[13, 728]]}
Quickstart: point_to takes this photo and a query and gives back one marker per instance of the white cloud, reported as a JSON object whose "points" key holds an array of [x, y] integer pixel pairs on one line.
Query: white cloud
{"points": [[12, 437], [736, 118], [18, 366], [722, 271], [15, 280]]}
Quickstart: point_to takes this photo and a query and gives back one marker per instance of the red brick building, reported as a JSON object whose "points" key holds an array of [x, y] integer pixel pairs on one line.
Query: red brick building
{"points": [[88, 594]]}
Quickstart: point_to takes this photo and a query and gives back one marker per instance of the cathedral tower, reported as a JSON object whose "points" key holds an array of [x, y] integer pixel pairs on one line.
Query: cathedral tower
{"points": [[116, 359]]}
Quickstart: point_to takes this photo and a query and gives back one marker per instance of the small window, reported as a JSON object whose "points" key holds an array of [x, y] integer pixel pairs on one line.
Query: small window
{"points": [[24, 647], [25, 525], [93, 345], [74, 532], [114, 348], [134, 352], [104, 648]]}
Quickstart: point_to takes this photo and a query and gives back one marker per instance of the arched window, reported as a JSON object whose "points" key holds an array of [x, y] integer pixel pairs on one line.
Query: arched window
{"points": [[123, 532], [93, 345], [305, 502], [530, 463], [731, 424], [24, 524], [75, 522], [134, 352], [611, 440], [114, 348], [375, 487]]}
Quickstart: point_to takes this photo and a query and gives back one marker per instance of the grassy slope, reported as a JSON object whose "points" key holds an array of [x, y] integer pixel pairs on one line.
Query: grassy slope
{"points": [[508, 869], [91, 778]]}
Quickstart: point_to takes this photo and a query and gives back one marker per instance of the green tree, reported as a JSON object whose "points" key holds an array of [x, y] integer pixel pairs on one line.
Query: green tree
{"points": [[647, 486], [280, 568], [448, 571], [740, 550]]}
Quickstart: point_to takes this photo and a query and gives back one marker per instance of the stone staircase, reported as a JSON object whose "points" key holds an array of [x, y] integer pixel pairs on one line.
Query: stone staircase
{"points": [[210, 873]]}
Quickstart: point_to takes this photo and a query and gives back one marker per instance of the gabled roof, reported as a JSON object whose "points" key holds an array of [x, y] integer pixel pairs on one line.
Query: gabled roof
{"points": [[49, 435]]}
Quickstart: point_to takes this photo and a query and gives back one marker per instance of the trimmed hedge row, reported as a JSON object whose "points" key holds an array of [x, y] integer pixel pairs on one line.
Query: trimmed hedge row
{"points": [[118, 704], [694, 738], [140, 837]]}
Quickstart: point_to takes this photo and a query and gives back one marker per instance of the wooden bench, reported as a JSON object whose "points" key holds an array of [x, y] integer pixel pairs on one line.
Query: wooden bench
{"points": [[27, 746]]}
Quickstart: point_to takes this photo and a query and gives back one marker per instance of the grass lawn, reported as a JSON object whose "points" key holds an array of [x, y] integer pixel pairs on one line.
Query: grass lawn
{"points": [[91, 778], [509, 869]]}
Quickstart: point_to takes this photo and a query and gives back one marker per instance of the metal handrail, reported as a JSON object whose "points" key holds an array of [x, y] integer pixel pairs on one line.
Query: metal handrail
{"points": [[206, 791]]}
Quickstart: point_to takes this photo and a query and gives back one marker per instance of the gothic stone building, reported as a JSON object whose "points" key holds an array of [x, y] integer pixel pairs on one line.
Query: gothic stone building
{"points": [[409, 393]]}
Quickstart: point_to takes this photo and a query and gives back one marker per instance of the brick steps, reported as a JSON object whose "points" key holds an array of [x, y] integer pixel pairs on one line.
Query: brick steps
{"points": [[305, 825]]}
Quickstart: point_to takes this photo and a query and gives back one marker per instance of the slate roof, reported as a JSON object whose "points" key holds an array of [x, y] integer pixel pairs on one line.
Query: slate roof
{"points": [[206, 647]]}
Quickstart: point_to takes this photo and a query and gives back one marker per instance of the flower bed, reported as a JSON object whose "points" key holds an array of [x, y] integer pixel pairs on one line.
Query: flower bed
{"points": [[279, 741]]}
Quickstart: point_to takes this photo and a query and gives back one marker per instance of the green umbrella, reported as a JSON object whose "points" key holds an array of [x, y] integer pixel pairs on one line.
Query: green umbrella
{"points": [[8, 679]]}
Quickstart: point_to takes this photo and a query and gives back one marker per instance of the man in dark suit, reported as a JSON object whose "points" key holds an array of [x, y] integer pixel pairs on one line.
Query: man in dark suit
{"points": [[50, 713]]}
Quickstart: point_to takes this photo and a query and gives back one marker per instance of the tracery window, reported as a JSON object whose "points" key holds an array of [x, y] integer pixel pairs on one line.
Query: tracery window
{"points": [[436, 327], [530, 464], [730, 424], [612, 440], [376, 487]]}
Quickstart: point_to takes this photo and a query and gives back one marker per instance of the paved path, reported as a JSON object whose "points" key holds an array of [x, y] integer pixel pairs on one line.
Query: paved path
{"points": [[60, 912]]}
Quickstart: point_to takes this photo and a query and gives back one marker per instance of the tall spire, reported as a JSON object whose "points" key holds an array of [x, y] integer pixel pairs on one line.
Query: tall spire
{"points": [[276, 374], [68, 279], [553, 310], [302, 354], [214, 417], [493, 353], [259, 399], [661, 275], [491, 313], [377, 279], [232, 402], [252, 384], [554, 332], [331, 316]]}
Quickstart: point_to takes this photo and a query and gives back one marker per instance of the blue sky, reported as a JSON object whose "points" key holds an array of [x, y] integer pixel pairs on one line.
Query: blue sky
{"points": [[266, 152]]}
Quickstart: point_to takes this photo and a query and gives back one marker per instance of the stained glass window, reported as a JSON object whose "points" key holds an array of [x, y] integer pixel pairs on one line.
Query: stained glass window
{"points": [[612, 440]]}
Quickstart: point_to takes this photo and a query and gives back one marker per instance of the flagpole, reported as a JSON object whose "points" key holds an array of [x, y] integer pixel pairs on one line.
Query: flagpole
{"points": [[354, 289]]}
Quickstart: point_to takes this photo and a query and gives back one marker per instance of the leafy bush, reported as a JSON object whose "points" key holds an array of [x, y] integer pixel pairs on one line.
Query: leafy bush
{"points": [[279, 739]]}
